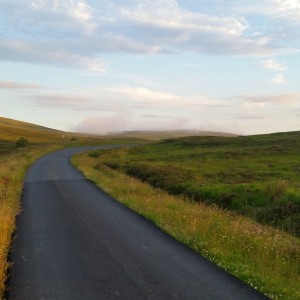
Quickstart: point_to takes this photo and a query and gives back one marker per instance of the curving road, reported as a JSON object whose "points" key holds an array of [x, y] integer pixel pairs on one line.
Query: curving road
{"points": [[75, 242]]}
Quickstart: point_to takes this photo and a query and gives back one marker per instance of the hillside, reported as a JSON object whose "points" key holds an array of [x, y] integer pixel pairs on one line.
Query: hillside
{"points": [[11, 130], [257, 176]]}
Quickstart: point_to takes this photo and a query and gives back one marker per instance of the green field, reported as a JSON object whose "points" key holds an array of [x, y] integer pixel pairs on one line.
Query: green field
{"points": [[257, 176]]}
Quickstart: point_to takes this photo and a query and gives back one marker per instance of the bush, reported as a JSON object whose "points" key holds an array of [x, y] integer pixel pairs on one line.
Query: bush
{"points": [[275, 189], [170, 178], [22, 142]]}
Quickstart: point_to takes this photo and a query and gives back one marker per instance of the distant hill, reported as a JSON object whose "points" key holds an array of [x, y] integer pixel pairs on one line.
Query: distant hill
{"points": [[159, 135], [11, 130]]}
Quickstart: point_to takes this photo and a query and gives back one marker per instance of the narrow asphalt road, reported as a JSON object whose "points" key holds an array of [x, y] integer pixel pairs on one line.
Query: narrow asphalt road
{"points": [[75, 242]]}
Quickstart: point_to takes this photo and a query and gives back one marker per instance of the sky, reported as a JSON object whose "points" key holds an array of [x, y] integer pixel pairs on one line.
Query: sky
{"points": [[101, 66]]}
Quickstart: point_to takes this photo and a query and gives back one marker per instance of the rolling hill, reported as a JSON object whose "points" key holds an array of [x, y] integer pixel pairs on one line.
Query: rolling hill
{"points": [[12, 130]]}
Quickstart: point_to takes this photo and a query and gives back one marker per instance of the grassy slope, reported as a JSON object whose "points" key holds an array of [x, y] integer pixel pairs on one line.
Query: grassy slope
{"points": [[11, 130], [257, 176], [262, 256]]}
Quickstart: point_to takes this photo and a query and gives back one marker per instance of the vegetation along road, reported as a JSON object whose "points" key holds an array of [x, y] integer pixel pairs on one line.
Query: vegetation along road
{"points": [[73, 241]]}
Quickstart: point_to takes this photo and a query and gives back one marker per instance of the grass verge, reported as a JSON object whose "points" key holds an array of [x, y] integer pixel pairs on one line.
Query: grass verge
{"points": [[262, 256], [13, 167]]}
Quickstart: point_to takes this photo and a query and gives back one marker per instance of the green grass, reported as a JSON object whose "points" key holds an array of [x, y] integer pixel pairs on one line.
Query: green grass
{"points": [[257, 176], [262, 256]]}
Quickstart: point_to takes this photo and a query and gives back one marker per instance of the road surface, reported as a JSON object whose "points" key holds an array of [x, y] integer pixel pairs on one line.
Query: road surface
{"points": [[75, 242]]}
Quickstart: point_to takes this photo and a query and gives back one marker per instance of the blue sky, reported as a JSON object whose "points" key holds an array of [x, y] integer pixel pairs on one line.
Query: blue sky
{"points": [[112, 65]]}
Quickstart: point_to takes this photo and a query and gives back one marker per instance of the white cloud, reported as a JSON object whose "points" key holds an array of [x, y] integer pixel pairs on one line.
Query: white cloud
{"points": [[80, 102], [158, 117], [74, 33], [77, 9], [288, 7], [13, 85], [118, 122], [144, 94], [274, 9], [262, 100], [154, 98], [122, 99], [248, 116], [175, 18], [58, 101], [44, 53], [177, 29], [104, 124], [278, 79], [273, 65], [69, 13]]}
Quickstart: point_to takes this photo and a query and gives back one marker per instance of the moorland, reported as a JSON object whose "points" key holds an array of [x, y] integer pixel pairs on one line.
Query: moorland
{"points": [[257, 176], [235, 200]]}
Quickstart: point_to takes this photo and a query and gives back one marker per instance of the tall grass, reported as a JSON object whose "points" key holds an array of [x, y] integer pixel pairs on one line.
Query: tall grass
{"points": [[12, 170], [262, 256]]}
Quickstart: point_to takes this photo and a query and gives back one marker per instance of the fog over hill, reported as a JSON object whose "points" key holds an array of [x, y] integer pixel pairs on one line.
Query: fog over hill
{"points": [[12, 129]]}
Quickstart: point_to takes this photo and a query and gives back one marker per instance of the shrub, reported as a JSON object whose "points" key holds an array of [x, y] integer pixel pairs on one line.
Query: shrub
{"points": [[22, 142], [276, 189]]}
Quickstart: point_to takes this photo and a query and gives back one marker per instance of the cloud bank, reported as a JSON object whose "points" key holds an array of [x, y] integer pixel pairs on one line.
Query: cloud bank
{"points": [[12, 85], [75, 33]]}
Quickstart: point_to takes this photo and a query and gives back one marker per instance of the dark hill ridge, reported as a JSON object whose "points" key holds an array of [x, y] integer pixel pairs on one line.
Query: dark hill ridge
{"points": [[169, 134], [275, 139]]}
